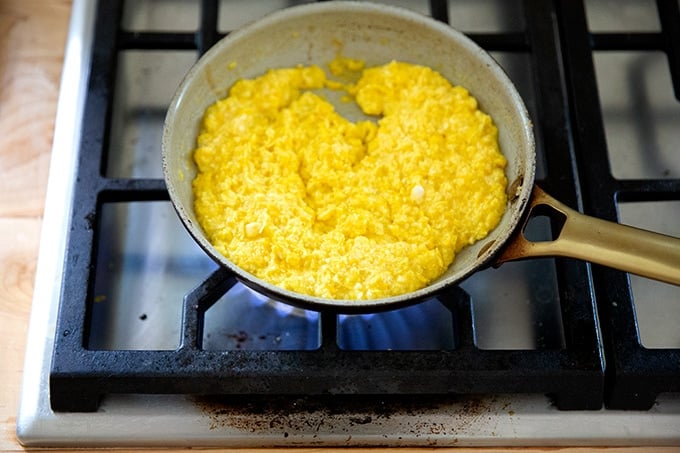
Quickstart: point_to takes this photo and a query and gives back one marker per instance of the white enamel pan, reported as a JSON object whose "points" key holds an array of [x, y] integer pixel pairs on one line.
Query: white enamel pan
{"points": [[316, 34]]}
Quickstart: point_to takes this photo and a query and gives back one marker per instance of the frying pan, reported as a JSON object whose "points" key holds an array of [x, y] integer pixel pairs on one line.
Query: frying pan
{"points": [[316, 34]]}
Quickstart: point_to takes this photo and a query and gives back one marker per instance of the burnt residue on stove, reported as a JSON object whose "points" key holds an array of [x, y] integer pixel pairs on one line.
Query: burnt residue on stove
{"points": [[426, 416]]}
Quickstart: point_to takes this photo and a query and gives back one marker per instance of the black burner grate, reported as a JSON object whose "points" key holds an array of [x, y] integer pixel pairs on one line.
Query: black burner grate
{"points": [[635, 375], [576, 172]]}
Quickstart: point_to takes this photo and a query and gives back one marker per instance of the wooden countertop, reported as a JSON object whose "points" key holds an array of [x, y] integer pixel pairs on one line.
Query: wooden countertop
{"points": [[32, 40]]}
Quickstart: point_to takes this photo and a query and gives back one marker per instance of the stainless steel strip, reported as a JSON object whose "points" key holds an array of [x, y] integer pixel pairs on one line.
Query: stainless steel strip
{"points": [[34, 408]]}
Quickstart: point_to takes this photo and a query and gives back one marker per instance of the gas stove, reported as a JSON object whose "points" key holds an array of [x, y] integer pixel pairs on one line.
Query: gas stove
{"points": [[137, 338]]}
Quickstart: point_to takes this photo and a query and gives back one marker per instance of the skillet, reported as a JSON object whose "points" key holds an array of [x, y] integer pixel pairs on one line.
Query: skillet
{"points": [[316, 34]]}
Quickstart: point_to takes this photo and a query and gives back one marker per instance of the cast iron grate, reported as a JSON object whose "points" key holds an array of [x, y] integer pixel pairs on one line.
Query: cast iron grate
{"points": [[573, 375], [635, 375]]}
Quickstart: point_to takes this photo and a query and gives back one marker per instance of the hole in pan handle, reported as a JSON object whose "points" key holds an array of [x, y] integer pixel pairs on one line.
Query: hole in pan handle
{"points": [[630, 249]]}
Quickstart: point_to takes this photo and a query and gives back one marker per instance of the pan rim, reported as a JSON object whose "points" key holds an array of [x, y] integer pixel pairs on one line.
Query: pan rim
{"points": [[517, 208]]}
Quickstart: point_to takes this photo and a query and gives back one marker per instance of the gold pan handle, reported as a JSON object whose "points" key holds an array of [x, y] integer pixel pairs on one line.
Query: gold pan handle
{"points": [[622, 247]]}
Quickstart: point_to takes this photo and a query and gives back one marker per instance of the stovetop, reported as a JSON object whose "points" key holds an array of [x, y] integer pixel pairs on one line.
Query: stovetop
{"points": [[138, 338]]}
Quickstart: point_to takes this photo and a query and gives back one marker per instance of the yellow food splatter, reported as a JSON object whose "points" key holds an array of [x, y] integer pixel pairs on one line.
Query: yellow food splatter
{"points": [[299, 196]]}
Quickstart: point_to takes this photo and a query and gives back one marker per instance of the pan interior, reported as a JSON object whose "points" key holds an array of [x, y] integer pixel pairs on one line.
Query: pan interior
{"points": [[316, 34]]}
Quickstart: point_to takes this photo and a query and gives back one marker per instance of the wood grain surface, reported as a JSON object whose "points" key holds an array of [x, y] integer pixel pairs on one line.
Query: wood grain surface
{"points": [[32, 40]]}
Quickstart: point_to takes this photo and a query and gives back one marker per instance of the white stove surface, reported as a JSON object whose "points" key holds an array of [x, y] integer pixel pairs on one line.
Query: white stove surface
{"points": [[177, 420]]}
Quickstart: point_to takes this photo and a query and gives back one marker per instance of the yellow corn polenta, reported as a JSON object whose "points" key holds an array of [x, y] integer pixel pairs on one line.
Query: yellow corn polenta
{"points": [[299, 196]]}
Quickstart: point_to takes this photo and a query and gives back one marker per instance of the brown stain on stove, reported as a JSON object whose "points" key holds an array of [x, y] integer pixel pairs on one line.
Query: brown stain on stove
{"points": [[292, 416], [244, 340], [258, 416], [466, 420]]}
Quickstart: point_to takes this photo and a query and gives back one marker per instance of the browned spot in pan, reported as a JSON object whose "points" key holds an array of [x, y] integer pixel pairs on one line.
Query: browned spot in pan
{"points": [[515, 188], [210, 81], [485, 247]]}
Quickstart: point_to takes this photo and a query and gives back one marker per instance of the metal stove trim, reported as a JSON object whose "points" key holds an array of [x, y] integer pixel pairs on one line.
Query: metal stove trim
{"points": [[58, 204]]}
